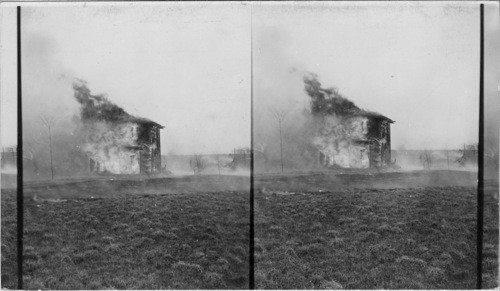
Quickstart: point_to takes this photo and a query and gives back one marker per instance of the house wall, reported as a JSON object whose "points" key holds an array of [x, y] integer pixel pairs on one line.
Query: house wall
{"points": [[386, 149], [111, 149], [353, 142], [150, 152], [126, 148], [340, 142], [380, 143], [157, 152]]}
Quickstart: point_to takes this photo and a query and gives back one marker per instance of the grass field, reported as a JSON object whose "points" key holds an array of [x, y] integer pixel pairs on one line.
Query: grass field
{"points": [[367, 235], [490, 243], [321, 230], [9, 239], [184, 240]]}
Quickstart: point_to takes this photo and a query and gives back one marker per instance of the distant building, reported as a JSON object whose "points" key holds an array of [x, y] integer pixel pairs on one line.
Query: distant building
{"points": [[9, 157], [241, 158]]}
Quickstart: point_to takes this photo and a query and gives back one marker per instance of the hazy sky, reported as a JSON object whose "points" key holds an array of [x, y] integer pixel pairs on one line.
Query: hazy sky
{"points": [[187, 65], [416, 63]]}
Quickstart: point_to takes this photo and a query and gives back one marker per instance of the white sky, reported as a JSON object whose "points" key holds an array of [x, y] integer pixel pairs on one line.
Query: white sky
{"points": [[187, 66]]}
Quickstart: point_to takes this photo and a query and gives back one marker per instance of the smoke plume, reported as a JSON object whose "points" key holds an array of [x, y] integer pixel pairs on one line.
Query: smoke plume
{"points": [[343, 134], [96, 107], [327, 101]]}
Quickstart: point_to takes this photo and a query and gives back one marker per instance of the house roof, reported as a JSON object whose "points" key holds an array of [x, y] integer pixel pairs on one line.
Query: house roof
{"points": [[142, 120], [99, 108], [375, 115], [340, 105], [139, 120]]}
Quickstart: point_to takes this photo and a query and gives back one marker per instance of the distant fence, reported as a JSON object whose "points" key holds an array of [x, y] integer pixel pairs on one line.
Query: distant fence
{"points": [[439, 159]]}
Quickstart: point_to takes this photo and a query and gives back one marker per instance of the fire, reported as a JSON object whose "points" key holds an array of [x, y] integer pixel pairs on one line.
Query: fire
{"points": [[111, 147], [339, 141], [345, 135], [115, 141]]}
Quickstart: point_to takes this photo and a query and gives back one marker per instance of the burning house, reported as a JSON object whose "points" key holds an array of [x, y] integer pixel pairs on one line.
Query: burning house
{"points": [[115, 141], [345, 135]]}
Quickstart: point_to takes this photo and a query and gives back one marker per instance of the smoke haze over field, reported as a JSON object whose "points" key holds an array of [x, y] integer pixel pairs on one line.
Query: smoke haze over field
{"points": [[416, 63], [421, 72], [179, 65], [187, 66]]}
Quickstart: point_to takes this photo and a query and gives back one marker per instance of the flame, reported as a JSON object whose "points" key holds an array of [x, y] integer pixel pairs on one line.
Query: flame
{"points": [[116, 141], [340, 138], [344, 134], [113, 146]]}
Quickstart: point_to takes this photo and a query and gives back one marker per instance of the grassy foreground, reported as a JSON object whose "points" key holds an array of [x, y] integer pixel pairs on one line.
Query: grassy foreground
{"points": [[173, 241], [9, 239], [490, 239], [414, 237], [417, 238]]}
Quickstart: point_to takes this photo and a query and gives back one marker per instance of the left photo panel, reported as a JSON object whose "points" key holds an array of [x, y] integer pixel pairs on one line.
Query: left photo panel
{"points": [[135, 145]]}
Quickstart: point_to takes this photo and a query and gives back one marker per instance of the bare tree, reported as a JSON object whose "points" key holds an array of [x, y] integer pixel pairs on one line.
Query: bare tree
{"points": [[447, 152], [260, 148], [280, 116], [48, 122], [197, 164], [219, 162], [30, 153], [491, 154], [426, 159]]}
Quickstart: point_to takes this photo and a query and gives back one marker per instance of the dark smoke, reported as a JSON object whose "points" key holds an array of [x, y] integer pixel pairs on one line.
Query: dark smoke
{"points": [[97, 107], [327, 101]]}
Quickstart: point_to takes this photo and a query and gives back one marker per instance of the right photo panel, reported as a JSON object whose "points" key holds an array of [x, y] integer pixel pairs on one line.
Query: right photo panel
{"points": [[365, 127]]}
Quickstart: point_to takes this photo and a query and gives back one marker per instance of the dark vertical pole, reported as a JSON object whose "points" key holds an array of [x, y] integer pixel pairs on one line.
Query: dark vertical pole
{"points": [[480, 178], [20, 201], [251, 277]]}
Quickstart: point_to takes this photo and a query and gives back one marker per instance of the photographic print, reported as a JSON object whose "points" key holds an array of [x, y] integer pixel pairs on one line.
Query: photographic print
{"points": [[136, 144], [249, 145]]}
